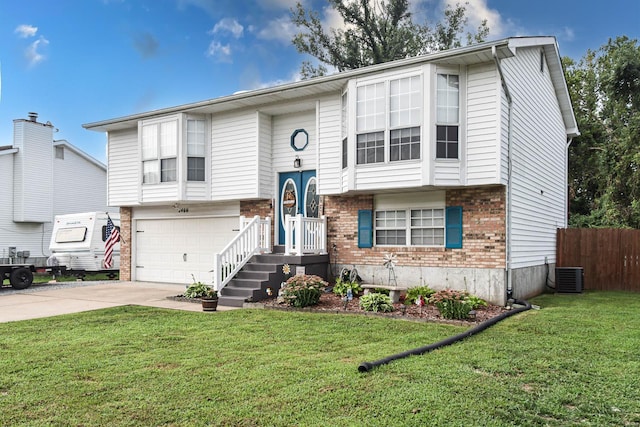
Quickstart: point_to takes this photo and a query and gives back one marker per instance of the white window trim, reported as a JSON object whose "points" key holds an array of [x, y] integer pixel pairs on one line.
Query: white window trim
{"points": [[352, 116], [408, 227], [207, 148], [408, 202], [461, 71]]}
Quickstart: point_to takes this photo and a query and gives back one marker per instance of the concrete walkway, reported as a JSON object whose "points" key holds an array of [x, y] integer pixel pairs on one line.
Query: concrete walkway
{"points": [[73, 297]]}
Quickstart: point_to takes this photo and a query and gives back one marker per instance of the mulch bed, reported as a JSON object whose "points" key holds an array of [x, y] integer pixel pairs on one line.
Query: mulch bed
{"points": [[331, 303]]}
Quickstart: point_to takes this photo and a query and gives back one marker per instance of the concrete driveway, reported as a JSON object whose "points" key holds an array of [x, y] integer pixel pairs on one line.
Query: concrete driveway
{"points": [[72, 297]]}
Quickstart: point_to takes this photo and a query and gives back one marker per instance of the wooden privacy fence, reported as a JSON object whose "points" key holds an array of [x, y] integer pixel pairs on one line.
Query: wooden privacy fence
{"points": [[610, 257]]}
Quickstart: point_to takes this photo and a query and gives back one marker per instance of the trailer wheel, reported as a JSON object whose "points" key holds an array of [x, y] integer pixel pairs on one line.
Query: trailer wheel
{"points": [[21, 278]]}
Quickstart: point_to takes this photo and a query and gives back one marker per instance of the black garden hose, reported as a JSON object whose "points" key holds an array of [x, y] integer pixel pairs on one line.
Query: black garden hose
{"points": [[367, 366]]}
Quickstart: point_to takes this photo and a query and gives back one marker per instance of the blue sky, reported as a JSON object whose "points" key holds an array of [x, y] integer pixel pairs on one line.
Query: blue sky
{"points": [[81, 61]]}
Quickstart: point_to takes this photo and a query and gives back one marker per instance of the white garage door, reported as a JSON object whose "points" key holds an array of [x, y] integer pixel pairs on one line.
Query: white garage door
{"points": [[171, 250]]}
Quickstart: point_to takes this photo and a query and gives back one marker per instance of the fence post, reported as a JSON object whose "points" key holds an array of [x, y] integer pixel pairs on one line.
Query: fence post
{"points": [[288, 235], [217, 273], [299, 236]]}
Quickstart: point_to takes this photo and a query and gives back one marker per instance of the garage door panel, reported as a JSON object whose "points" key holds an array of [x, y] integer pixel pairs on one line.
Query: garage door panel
{"points": [[172, 250]]}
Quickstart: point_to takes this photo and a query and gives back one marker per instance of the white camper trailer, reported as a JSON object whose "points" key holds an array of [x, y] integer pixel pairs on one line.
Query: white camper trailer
{"points": [[78, 242]]}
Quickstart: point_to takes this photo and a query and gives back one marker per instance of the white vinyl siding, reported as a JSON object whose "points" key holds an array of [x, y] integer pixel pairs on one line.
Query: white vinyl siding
{"points": [[283, 154], [329, 147], [234, 159], [482, 137], [265, 172], [538, 151], [123, 174], [33, 179]]}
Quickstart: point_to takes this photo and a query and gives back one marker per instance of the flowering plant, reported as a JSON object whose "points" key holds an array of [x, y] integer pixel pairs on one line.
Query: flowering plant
{"points": [[303, 290], [452, 304]]}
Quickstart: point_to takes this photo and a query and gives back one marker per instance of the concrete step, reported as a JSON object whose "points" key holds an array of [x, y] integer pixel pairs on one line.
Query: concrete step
{"points": [[231, 301]]}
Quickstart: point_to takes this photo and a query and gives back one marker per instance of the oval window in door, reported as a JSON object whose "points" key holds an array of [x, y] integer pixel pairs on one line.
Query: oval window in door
{"points": [[288, 199], [311, 199]]}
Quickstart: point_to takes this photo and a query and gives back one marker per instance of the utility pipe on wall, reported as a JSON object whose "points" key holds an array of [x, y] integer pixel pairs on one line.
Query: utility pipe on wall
{"points": [[509, 169]]}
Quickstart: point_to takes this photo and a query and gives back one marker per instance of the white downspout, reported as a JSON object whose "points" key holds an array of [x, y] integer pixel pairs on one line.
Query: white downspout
{"points": [[566, 180], [509, 169]]}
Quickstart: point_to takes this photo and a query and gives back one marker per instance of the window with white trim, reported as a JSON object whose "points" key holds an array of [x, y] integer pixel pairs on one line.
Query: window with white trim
{"points": [[447, 116], [426, 227], [159, 152], [388, 120], [196, 150]]}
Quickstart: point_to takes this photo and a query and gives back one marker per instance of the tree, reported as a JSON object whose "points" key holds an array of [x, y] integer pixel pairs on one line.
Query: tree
{"points": [[376, 31], [604, 161]]}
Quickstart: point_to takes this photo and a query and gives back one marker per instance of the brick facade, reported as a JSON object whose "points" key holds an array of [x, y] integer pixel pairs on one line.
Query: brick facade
{"points": [[125, 243], [484, 231]]}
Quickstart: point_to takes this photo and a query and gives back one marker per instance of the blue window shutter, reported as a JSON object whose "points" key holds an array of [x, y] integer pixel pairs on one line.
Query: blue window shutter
{"points": [[454, 227], [365, 228]]}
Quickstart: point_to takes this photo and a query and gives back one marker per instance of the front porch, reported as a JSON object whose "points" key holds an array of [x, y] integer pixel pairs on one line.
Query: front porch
{"points": [[250, 267]]}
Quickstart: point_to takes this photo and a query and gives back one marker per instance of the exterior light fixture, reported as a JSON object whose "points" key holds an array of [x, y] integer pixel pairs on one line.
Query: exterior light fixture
{"points": [[297, 163]]}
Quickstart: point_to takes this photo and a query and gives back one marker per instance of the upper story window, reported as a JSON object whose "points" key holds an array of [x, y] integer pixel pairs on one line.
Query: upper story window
{"points": [[447, 116], [196, 147], [159, 152], [388, 119]]}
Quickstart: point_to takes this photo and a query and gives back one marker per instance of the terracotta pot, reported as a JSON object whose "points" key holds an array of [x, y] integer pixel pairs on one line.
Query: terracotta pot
{"points": [[209, 304]]}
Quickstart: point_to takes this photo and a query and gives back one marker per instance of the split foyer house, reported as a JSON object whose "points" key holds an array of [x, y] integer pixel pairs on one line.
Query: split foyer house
{"points": [[43, 177], [455, 162]]}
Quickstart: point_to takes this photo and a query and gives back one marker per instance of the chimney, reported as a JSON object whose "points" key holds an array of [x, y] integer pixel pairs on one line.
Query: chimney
{"points": [[33, 116]]}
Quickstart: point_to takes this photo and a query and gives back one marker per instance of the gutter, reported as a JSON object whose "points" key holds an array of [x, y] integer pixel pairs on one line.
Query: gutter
{"points": [[509, 170]]}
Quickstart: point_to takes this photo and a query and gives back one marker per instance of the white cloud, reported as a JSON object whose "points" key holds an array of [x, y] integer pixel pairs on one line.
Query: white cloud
{"points": [[24, 31], [228, 25], [280, 29], [568, 34], [219, 51], [33, 54]]}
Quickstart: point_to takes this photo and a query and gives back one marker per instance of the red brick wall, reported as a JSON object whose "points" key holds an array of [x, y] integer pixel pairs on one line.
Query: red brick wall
{"points": [[125, 243], [262, 207], [484, 232]]}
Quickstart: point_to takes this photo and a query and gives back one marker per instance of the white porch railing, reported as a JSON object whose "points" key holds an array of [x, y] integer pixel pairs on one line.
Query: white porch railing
{"points": [[305, 235], [254, 237]]}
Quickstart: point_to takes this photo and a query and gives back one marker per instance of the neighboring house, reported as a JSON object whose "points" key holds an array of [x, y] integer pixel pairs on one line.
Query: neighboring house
{"points": [[43, 178], [456, 162]]}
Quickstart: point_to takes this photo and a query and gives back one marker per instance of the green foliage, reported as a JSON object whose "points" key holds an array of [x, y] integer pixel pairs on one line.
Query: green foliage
{"points": [[376, 302], [415, 292], [476, 302], [604, 164], [375, 32], [303, 290], [341, 287], [569, 364], [199, 290], [452, 304]]}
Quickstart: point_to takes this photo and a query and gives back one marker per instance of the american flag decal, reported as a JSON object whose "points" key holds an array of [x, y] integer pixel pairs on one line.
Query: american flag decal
{"points": [[113, 237]]}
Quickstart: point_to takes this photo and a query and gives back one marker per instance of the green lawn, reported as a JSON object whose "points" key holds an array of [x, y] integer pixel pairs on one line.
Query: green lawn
{"points": [[574, 362]]}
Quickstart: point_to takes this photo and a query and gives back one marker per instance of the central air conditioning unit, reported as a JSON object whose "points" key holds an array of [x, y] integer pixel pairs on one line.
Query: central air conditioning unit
{"points": [[569, 279]]}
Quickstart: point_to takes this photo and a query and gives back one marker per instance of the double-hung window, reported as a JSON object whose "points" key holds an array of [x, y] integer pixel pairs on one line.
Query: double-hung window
{"points": [[388, 119], [345, 131], [159, 152], [405, 100], [424, 227], [196, 150], [447, 116], [370, 123]]}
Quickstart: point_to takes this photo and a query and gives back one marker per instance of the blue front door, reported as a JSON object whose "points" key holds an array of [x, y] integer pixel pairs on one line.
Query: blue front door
{"points": [[297, 194]]}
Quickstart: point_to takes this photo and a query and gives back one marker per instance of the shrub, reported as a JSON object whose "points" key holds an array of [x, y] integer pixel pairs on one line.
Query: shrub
{"points": [[341, 287], [376, 303], [303, 290], [415, 292], [452, 304]]}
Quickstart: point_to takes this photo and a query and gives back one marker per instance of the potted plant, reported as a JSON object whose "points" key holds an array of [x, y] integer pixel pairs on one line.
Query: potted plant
{"points": [[207, 295]]}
